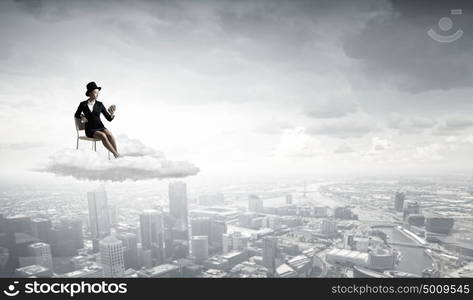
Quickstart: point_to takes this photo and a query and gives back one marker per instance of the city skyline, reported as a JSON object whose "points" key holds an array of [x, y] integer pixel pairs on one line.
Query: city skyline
{"points": [[416, 228]]}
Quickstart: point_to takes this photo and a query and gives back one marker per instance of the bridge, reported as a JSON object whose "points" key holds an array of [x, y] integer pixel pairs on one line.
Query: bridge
{"points": [[414, 246]]}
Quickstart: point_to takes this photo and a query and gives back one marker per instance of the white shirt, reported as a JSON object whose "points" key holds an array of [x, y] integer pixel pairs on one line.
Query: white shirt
{"points": [[91, 104]]}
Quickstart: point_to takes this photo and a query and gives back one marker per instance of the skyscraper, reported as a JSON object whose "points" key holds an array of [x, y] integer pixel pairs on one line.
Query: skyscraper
{"points": [[178, 204], [75, 227], [255, 203], [288, 199], [217, 229], [179, 213], [411, 208], [13, 224], [329, 227], [270, 250], [113, 213], [152, 234], [399, 201], [111, 256], [130, 249], [18, 223], [98, 216], [42, 254], [41, 229], [234, 242], [200, 226], [66, 237], [200, 247]]}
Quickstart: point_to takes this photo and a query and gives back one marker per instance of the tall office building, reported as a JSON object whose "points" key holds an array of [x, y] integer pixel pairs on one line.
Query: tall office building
{"points": [[289, 199], [66, 237], [441, 225], [411, 208], [152, 234], [130, 249], [74, 226], [270, 251], [200, 226], [344, 212], [178, 204], [99, 218], [217, 229], [200, 247], [329, 227], [399, 201], [239, 241], [18, 223], [13, 224], [179, 213], [255, 203], [111, 256], [234, 242], [113, 213], [168, 238], [41, 252], [41, 229]]}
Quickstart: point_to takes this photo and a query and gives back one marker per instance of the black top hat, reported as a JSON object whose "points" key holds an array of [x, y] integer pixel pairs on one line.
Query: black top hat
{"points": [[92, 86]]}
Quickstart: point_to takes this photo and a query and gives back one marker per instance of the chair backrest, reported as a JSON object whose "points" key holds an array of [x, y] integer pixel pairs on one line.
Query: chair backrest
{"points": [[79, 125]]}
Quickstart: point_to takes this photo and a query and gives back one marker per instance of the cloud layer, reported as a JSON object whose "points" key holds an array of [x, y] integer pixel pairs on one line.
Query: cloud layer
{"points": [[138, 162], [394, 46]]}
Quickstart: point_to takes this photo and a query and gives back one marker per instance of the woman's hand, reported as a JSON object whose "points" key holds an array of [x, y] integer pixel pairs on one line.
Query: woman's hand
{"points": [[112, 109], [83, 119]]}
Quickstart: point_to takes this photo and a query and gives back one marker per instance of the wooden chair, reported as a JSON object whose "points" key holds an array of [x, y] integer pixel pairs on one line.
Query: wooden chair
{"points": [[81, 127]]}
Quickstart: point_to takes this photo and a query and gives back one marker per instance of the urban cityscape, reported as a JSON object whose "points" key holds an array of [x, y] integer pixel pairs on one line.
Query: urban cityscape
{"points": [[344, 229], [236, 139]]}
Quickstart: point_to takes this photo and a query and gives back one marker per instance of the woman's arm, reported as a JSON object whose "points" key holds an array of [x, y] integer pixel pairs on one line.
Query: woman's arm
{"points": [[78, 111], [106, 114]]}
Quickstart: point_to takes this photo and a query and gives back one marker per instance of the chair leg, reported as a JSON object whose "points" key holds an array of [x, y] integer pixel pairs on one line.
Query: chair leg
{"points": [[108, 155], [95, 146], [77, 144]]}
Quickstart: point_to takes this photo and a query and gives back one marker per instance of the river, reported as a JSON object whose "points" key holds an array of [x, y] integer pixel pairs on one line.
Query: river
{"points": [[413, 260]]}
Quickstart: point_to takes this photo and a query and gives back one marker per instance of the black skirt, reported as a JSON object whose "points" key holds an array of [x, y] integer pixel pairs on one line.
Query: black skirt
{"points": [[90, 132]]}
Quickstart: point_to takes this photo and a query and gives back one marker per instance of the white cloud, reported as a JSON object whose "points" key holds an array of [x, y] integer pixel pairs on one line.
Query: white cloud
{"points": [[353, 125], [138, 162], [451, 139], [379, 148], [410, 124], [379, 144], [468, 139], [344, 148], [429, 152], [453, 124], [297, 143], [331, 107]]}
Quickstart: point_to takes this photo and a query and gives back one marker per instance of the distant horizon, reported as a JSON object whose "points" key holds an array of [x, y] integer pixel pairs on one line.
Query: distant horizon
{"points": [[54, 181]]}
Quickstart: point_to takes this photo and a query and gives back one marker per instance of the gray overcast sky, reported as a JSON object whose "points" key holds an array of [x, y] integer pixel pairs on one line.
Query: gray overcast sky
{"points": [[238, 87]]}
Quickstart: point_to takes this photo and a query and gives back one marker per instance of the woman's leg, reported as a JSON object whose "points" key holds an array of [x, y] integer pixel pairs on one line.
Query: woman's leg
{"points": [[103, 137], [111, 139]]}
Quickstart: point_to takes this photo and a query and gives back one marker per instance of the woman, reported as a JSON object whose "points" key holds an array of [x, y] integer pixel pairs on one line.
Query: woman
{"points": [[89, 113]]}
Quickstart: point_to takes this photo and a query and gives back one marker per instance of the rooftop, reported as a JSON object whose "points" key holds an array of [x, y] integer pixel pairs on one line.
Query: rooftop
{"points": [[33, 269]]}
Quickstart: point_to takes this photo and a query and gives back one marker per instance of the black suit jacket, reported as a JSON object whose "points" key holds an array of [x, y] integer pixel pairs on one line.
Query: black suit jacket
{"points": [[93, 117]]}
